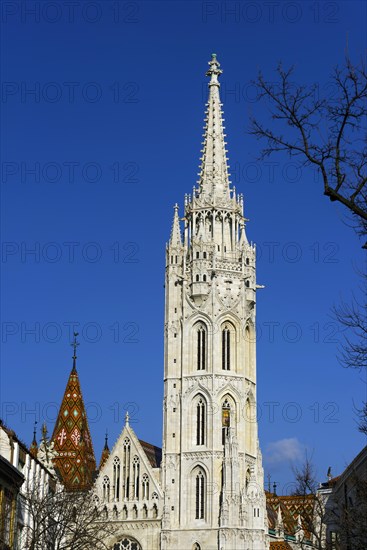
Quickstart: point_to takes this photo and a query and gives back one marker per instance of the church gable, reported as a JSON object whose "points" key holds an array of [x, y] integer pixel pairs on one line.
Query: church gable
{"points": [[127, 483]]}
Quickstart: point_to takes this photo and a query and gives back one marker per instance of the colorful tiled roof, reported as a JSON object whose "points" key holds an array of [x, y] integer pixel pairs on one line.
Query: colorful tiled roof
{"points": [[291, 508], [75, 461]]}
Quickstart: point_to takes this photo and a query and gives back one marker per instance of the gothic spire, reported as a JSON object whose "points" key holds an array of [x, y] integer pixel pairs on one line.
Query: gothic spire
{"points": [[175, 239], [105, 452], [33, 449], [214, 177], [74, 461]]}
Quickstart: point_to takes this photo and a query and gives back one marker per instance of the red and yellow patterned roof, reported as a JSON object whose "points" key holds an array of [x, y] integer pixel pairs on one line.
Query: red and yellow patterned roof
{"points": [[75, 461]]}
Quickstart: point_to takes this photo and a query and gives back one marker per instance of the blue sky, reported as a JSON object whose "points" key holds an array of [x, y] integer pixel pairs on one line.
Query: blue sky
{"points": [[93, 161]]}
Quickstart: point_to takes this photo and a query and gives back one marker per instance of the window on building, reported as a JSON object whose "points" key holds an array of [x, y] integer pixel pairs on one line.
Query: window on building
{"points": [[127, 543], [145, 487], [200, 495], [200, 422], [226, 419], [116, 478], [106, 489], [201, 347], [136, 474], [226, 348], [126, 468]]}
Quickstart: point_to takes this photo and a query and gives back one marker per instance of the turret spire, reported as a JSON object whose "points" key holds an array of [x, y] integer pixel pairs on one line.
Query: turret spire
{"points": [[175, 239], [105, 452], [214, 177], [33, 449]]}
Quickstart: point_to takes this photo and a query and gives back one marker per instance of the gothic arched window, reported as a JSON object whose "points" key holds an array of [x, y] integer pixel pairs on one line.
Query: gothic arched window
{"points": [[200, 422], [200, 494], [226, 347], [126, 468], [145, 487], [106, 489], [201, 337], [136, 473], [196, 546], [116, 478], [226, 419]]}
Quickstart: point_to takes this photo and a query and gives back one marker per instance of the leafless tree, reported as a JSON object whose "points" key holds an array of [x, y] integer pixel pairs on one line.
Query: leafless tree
{"points": [[338, 517], [326, 132], [353, 349], [60, 520]]}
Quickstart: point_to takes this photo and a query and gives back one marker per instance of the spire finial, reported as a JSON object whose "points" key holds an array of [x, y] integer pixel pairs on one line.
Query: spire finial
{"points": [[44, 431], [34, 433], [75, 344], [106, 441], [127, 418], [214, 70]]}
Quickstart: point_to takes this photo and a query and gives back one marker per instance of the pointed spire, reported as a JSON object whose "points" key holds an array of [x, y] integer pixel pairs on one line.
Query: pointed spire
{"points": [[105, 452], [175, 239], [33, 449], [75, 459], [214, 177]]}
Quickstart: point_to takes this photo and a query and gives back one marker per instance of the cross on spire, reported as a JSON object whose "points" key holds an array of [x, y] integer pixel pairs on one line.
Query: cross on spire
{"points": [[75, 344]]}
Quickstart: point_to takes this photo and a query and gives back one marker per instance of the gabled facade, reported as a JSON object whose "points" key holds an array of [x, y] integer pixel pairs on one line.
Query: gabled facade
{"points": [[129, 489]]}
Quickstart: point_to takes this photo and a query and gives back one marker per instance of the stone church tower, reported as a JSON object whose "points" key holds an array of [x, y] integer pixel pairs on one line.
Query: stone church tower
{"points": [[212, 472], [204, 491]]}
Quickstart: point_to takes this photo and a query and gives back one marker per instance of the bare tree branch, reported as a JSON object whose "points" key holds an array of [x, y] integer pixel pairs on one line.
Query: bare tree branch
{"points": [[300, 117]]}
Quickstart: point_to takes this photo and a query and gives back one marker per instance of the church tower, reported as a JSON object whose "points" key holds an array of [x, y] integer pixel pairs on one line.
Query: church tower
{"points": [[212, 475]]}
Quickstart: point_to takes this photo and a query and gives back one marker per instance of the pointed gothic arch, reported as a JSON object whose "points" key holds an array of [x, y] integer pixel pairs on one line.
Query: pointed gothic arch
{"points": [[136, 476], [200, 412], [200, 345], [106, 489], [199, 492], [126, 468], [145, 487], [228, 345], [116, 478]]}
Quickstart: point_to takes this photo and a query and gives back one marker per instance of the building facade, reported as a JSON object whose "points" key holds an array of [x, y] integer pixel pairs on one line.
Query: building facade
{"points": [[206, 492], [24, 477]]}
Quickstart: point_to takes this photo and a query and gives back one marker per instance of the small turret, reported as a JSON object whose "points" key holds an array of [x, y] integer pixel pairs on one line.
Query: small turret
{"points": [[33, 449], [105, 452], [175, 239]]}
